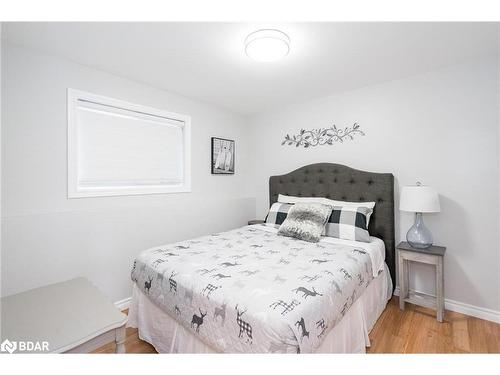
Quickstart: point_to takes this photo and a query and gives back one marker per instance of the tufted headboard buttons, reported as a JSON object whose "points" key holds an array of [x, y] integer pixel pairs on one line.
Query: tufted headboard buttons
{"points": [[339, 182]]}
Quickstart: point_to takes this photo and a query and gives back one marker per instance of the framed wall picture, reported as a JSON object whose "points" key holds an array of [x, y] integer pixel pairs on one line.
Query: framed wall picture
{"points": [[222, 156]]}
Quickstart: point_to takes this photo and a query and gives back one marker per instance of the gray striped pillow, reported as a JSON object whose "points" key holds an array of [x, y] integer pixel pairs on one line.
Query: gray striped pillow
{"points": [[306, 221]]}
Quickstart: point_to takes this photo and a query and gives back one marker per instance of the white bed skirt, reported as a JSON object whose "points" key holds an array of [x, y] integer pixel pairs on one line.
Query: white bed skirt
{"points": [[350, 335]]}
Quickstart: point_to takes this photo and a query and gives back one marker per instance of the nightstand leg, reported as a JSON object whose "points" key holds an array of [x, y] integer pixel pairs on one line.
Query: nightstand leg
{"points": [[402, 279], [440, 289], [406, 269]]}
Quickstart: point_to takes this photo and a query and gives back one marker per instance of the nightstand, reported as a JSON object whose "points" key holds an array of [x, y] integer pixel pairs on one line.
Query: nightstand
{"points": [[433, 255], [253, 222]]}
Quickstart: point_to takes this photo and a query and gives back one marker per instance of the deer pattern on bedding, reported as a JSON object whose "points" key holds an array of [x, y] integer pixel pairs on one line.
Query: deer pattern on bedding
{"points": [[253, 296]]}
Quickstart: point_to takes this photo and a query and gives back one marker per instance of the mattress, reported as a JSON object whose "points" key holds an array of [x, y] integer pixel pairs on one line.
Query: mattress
{"points": [[249, 290]]}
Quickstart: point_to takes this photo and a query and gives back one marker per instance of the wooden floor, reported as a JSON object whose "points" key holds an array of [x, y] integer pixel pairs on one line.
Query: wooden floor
{"points": [[414, 330], [133, 344]]}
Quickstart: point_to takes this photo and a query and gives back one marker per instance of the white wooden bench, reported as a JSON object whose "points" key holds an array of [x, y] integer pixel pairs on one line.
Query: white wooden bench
{"points": [[71, 316]]}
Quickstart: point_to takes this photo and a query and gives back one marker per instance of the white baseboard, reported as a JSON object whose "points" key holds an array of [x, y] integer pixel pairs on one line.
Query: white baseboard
{"points": [[464, 308], [123, 304]]}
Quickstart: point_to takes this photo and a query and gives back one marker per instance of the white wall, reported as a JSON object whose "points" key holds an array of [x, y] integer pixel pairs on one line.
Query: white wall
{"points": [[439, 128], [48, 238], [498, 155], [498, 144], [0, 153]]}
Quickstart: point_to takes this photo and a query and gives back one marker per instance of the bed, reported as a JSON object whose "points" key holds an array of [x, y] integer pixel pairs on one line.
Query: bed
{"points": [[249, 290]]}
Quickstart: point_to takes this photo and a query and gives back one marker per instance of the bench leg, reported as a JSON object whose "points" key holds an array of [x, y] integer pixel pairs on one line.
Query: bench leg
{"points": [[120, 339]]}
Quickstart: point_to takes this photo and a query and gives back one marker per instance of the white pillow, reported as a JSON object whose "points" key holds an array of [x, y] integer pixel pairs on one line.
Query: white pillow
{"points": [[330, 202]]}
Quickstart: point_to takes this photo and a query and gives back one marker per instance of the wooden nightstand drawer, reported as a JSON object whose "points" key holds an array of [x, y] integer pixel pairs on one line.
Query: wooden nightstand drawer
{"points": [[418, 257]]}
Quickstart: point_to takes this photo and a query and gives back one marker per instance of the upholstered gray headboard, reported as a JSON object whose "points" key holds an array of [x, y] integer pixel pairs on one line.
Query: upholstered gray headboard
{"points": [[339, 182]]}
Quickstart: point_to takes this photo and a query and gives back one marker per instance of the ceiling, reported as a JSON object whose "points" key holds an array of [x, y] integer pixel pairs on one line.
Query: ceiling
{"points": [[206, 61]]}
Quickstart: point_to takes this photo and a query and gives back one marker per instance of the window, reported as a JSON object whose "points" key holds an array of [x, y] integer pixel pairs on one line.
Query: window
{"points": [[119, 148]]}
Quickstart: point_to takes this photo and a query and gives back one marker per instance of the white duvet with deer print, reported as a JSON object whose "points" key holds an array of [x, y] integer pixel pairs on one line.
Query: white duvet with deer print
{"points": [[251, 291]]}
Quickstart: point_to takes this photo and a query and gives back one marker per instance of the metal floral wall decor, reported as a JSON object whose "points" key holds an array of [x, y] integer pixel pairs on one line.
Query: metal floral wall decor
{"points": [[322, 136]]}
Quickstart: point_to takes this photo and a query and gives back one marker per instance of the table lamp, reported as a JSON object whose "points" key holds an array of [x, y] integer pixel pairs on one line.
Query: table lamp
{"points": [[419, 199]]}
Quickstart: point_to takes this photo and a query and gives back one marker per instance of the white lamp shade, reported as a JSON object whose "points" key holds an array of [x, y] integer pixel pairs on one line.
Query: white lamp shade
{"points": [[419, 199]]}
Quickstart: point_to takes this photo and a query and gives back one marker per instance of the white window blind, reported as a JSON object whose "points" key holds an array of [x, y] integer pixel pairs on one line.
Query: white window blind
{"points": [[119, 148]]}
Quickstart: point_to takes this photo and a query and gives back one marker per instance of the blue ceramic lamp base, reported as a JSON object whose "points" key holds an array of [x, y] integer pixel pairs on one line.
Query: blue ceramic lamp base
{"points": [[418, 235]]}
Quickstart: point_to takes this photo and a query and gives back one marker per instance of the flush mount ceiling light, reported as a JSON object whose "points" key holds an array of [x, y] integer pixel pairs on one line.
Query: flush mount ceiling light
{"points": [[267, 45]]}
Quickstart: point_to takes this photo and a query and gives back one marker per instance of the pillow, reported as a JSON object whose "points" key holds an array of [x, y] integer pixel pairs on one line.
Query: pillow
{"points": [[349, 223], [277, 214], [292, 200], [306, 221]]}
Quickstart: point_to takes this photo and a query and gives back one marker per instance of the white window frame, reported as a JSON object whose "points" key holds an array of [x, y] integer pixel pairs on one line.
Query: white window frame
{"points": [[75, 190]]}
